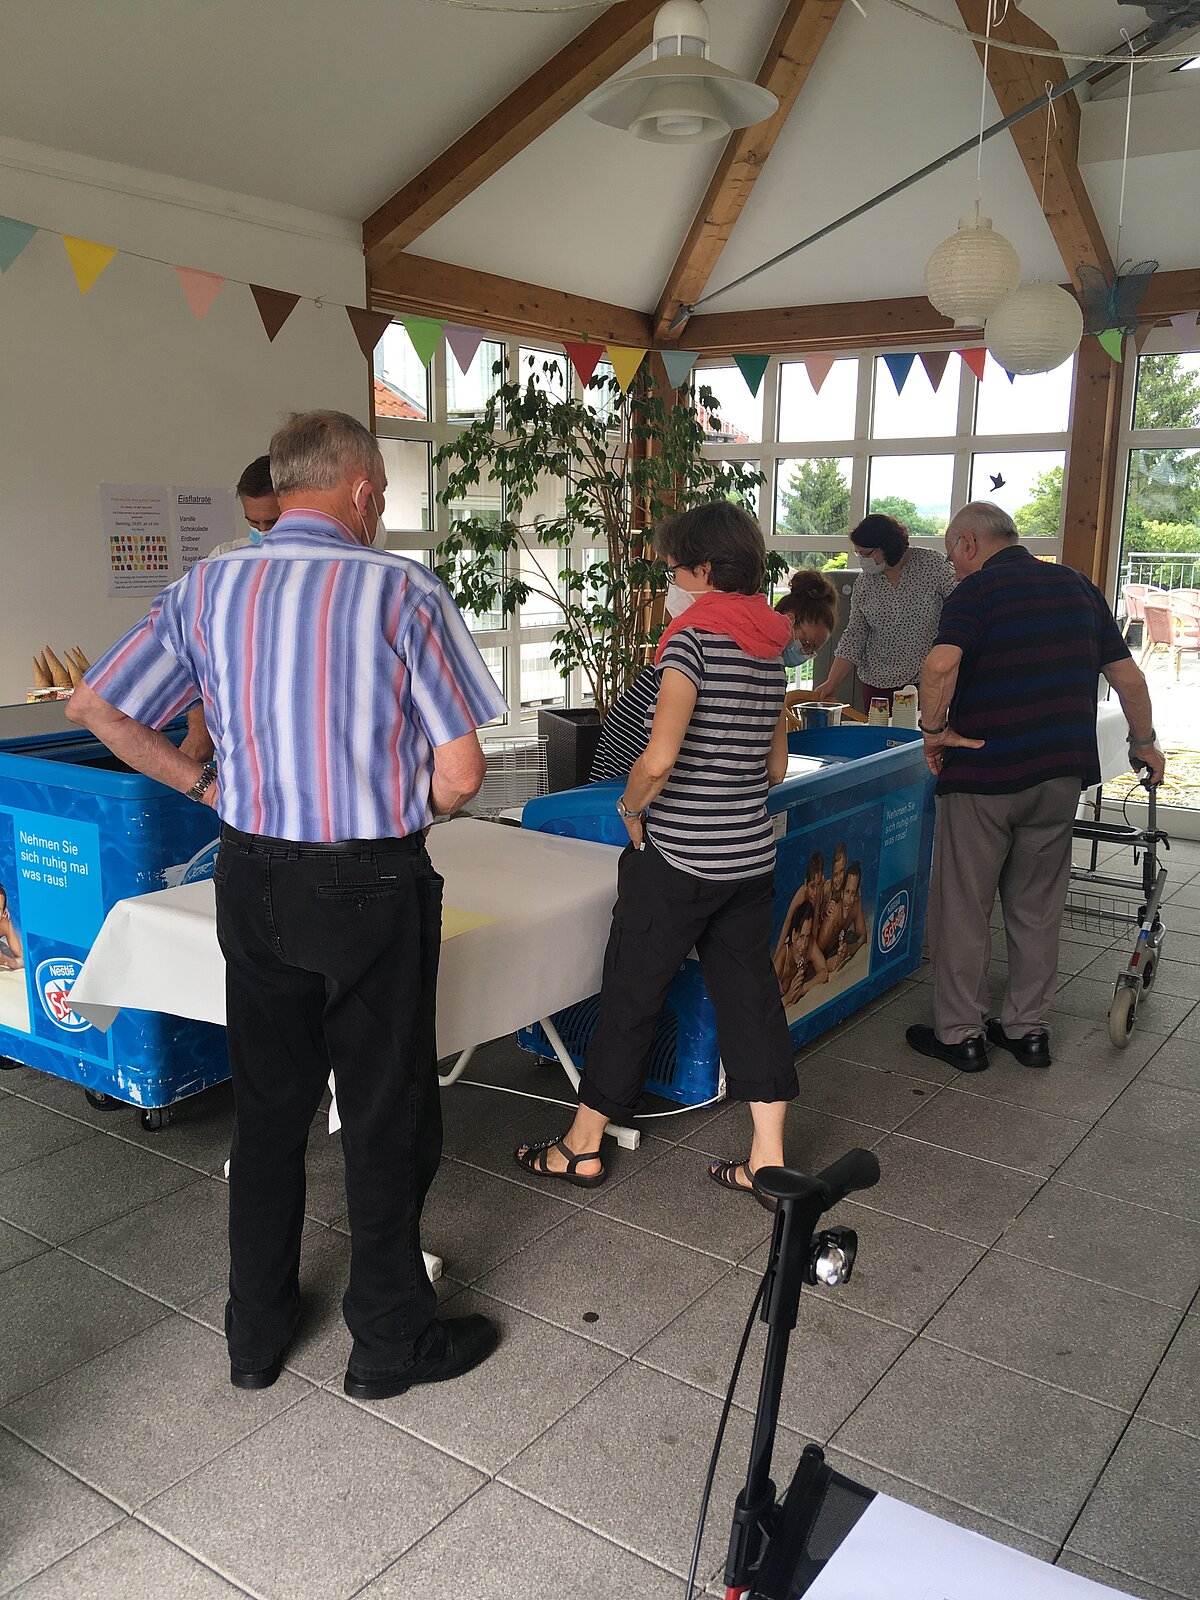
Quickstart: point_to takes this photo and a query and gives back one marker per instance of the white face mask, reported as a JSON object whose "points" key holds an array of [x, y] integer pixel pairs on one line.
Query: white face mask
{"points": [[873, 567], [678, 599], [378, 539]]}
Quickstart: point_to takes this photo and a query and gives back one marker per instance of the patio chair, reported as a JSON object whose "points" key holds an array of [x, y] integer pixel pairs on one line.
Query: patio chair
{"points": [[1169, 629], [1134, 594]]}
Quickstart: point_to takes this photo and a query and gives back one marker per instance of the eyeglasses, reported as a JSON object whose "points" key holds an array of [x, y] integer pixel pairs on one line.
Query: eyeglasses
{"points": [[671, 571], [806, 645]]}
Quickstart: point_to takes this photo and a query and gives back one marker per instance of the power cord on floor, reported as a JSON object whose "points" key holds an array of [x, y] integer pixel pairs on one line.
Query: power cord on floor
{"points": [[571, 1105]]}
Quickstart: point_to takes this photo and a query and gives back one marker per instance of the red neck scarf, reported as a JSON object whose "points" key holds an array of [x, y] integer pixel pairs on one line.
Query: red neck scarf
{"points": [[746, 618]]}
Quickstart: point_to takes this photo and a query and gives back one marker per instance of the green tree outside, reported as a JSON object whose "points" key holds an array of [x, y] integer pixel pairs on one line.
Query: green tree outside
{"points": [[1041, 517], [919, 527]]}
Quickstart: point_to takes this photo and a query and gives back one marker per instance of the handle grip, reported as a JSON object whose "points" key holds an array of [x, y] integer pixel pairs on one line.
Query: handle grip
{"points": [[857, 1169]]}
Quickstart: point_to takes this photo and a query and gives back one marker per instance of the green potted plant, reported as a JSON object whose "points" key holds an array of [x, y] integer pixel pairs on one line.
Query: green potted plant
{"points": [[610, 465]]}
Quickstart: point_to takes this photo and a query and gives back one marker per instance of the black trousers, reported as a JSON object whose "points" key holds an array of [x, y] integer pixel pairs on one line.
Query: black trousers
{"points": [[331, 963], [660, 914]]}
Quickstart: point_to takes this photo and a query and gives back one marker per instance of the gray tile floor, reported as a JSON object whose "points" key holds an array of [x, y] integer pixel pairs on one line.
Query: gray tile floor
{"points": [[1019, 1350]]}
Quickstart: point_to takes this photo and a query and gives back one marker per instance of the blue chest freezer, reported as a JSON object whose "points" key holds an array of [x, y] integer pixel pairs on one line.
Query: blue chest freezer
{"points": [[78, 832], [856, 808]]}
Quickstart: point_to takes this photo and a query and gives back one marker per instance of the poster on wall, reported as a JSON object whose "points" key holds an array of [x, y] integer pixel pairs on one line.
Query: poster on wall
{"points": [[200, 519], [136, 538], [844, 896]]}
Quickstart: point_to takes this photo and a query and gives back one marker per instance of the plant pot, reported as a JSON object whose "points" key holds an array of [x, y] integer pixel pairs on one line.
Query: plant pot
{"points": [[571, 739]]}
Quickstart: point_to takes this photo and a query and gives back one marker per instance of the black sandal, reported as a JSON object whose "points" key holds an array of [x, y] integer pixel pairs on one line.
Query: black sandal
{"points": [[534, 1159], [725, 1173]]}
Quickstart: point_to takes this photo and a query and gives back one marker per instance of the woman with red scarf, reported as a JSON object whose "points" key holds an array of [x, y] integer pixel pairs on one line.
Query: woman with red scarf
{"points": [[699, 867]]}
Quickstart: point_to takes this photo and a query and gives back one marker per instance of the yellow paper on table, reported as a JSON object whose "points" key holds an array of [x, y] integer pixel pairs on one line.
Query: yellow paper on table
{"points": [[456, 921]]}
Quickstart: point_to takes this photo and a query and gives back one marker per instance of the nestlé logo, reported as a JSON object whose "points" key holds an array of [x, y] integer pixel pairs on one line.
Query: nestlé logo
{"points": [[893, 921], [54, 979]]}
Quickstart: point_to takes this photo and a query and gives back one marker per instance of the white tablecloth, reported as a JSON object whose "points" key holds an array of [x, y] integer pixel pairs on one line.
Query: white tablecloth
{"points": [[1112, 732], [552, 898]]}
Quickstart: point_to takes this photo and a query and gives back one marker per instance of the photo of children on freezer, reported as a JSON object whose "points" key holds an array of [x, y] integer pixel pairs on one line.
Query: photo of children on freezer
{"points": [[823, 946], [14, 1003]]}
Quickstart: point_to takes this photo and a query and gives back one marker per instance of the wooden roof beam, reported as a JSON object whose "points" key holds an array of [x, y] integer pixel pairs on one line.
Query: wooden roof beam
{"points": [[801, 33], [591, 58], [1016, 80]]}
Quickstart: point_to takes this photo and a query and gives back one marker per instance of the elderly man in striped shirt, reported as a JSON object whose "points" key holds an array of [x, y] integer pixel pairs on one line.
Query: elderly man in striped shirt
{"points": [[343, 690]]}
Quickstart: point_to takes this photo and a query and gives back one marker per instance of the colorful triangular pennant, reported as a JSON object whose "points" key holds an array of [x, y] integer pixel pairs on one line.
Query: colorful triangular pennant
{"points": [[1113, 341], [1141, 333], [201, 289], [752, 369], [818, 368], [14, 236], [679, 364], [1011, 376], [463, 342], [425, 334], [275, 306], [1184, 325], [976, 359], [625, 363], [369, 327], [935, 363], [899, 366], [88, 259], [584, 357]]}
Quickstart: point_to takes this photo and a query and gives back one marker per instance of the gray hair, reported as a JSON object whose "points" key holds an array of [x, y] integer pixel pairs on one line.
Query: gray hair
{"points": [[320, 450], [986, 521]]}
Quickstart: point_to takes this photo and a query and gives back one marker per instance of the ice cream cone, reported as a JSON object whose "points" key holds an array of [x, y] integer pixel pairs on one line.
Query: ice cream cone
{"points": [[58, 673], [41, 673]]}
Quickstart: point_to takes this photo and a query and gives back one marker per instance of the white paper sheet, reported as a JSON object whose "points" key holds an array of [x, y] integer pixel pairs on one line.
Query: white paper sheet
{"points": [[137, 543], [201, 519], [896, 1552]]}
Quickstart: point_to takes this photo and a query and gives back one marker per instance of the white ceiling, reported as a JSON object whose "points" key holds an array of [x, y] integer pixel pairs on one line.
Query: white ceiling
{"points": [[332, 107]]}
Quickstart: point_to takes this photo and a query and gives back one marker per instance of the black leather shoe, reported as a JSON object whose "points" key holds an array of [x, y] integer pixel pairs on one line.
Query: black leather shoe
{"points": [[969, 1056], [1031, 1050], [467, 1342], [260, 1377]]}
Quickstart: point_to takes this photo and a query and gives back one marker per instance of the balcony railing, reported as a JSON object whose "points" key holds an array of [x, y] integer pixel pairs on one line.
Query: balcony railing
{"points": [[1163, 569]]}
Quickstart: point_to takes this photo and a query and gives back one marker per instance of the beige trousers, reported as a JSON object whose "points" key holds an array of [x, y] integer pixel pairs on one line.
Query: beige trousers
{"points": [[1021, 845]]}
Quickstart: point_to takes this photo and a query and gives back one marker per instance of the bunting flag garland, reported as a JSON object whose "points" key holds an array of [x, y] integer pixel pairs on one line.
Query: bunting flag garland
{"points": [[976, 360], [1011, 376], [201, 289], [752, 369], [899, 366], [88, 259], [625, 363], [369, 327], [818, 369], [14, 236], [426, 334], [463, 342], [1142, 333], [679, 364], [584, 357], [275, 306], [935, 363], [1185, 328], [1113, 341]]}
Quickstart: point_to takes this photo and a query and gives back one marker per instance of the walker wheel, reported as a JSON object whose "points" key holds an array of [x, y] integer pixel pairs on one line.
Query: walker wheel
{"points": [[1120, 1017], [155, 1118], [1149, 973]]}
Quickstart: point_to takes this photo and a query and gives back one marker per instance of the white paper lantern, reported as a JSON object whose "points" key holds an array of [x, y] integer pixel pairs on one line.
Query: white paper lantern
{"points": [[1036, 329], [971, 273]]}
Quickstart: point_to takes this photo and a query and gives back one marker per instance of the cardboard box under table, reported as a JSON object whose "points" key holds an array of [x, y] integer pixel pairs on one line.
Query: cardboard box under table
{"points": [[78, 833], [864, 789]]}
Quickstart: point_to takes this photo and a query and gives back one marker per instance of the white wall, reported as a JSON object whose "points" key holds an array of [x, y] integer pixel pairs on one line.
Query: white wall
{"points": [[124, 386]]}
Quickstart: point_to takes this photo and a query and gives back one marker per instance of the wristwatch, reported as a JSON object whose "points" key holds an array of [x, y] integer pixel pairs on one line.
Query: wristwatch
{"points": [[208, 776], [933, 732], [628, 816]]}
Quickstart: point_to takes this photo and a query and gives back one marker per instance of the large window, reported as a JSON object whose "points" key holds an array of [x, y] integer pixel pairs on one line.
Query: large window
{"points": [[829, 452]]}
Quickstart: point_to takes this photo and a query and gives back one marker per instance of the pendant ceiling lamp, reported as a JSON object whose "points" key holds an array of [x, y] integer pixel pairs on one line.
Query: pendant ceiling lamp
{"points": [[972, 273], [681, 97], [1036, 329]]}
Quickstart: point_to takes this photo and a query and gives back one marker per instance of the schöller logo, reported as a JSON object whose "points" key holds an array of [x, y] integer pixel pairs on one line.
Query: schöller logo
{"points": [[54, 980], [893, 921]]}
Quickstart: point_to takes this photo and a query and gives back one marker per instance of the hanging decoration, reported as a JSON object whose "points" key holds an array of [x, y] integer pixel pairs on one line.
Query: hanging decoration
{"points": [[463, 342], [935, 363], [976, 359], [971, 273], [1036, 329], [369, 327], [275, 306], [426, 335], [584, 357], [679, 364], [1113, 341], [818, 369], [1184, 325], [625, 363], [14, 236], [88, 259], [752, 369], [201, 289], [1144, 330], [899, 366]]}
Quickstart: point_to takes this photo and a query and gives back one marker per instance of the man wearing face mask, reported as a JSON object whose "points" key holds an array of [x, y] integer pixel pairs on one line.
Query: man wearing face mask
{"points": [[345, 691]]}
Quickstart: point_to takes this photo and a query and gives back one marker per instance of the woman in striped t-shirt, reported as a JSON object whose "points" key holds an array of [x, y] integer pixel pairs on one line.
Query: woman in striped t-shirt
{"points": [[698, 870]]}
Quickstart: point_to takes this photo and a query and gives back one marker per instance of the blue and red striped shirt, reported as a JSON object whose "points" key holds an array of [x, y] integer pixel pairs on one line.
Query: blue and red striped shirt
{"points": [[329, 673], [1034, 637]]}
